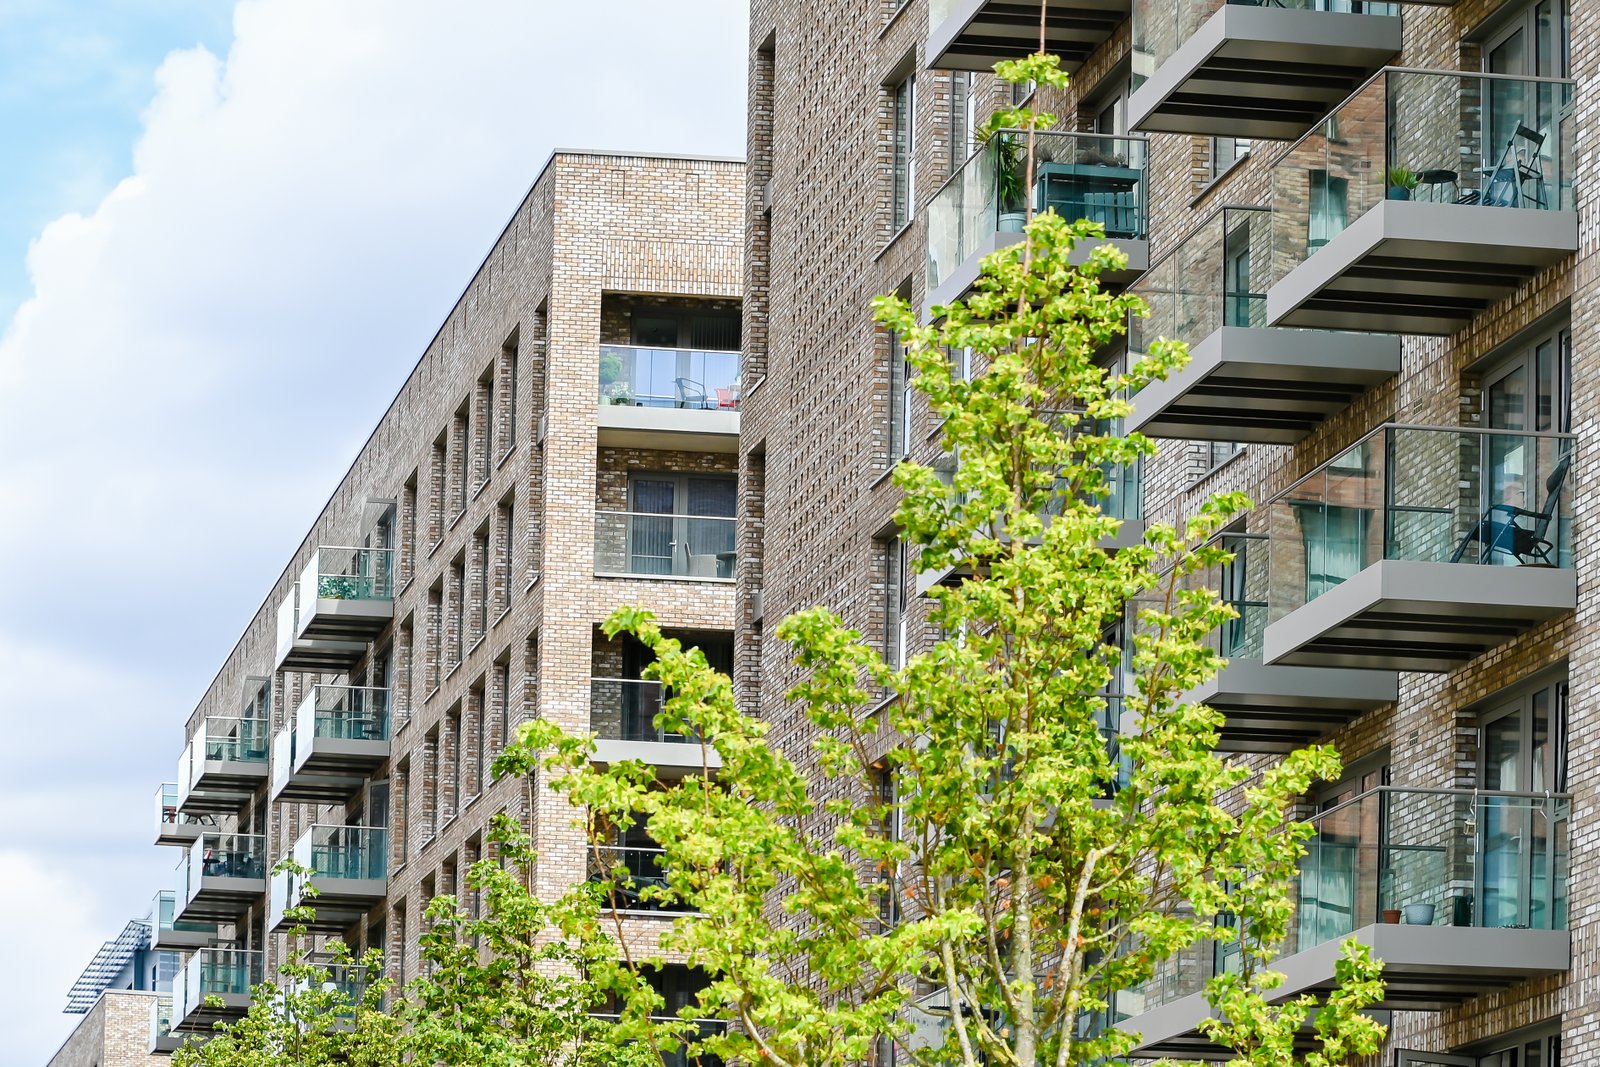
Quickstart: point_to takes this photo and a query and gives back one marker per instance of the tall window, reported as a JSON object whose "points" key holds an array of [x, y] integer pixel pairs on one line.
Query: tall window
{"points": [[894, 602], [904, 152], [900, 420], [682, 524], [1522, 749], [963, 117], [508, 390]]}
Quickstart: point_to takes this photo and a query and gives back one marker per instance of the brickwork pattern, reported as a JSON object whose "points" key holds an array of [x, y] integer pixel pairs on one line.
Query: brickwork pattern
{"points": [[114, 1033]]}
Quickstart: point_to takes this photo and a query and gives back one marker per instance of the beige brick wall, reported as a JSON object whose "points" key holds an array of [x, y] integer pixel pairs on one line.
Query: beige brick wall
{"points": [[114, 1033]]}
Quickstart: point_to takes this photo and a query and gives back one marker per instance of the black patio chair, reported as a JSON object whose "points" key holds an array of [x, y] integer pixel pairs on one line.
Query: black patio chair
{"points": [[1499, 531]]}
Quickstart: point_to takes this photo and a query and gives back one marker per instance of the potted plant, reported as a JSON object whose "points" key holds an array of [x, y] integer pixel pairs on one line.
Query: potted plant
{"points": [[1390, 915], [1011, 180], [613, 390], [1401, 180], [1418, 914]]}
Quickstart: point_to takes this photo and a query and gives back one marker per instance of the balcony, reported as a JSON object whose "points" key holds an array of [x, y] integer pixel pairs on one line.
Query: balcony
{"points": [[631, 870], [977, 34], [342, 600], [643, 545], [350, 873], [223, 765], [227, 974], [1216, 68], [681, 1057], [622, 715], [669, 398], [175, 827], [162, 1038], [1423, 199], [221, 877], [1244, 381], [1419, 548], [169, 933], [1459, 892], [984, 205], [338, 737], [1274, 708]]}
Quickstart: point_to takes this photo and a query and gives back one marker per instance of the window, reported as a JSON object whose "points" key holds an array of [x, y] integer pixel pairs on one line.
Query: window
{"points": [[1225, 152], [1330, 212], [1537, 1046], [894, 605], [1522, 749], [1243, 304], [1331, 877], [904, 194], [461, 445], [1335, 539], [408, 524], [478, 589], [480, 740], [437, 466], [963, 117], [508, 393], [483, 450], [682, 524], [458, 614], [900, 419], [709, 331], [1529, 389], [1219, 452]]}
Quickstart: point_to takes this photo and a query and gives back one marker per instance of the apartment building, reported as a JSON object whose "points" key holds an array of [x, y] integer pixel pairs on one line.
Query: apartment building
{"points": [[566, 445], [1363, 218], [124, 996]]}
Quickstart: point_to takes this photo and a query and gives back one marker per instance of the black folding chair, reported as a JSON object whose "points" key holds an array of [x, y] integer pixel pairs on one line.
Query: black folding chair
{"points": [[1498, 530]]}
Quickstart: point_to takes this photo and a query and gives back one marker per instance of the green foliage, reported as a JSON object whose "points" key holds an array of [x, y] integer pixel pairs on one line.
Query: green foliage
{"points": [[1034, 874], [1402, 178]]}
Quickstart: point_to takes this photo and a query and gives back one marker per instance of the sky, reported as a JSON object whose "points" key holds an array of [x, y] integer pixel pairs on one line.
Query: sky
{"points": [[227, 231]]}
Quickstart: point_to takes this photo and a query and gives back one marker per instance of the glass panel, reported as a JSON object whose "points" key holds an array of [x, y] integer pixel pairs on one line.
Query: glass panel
{"points": [[1214, 278], [664, 377], [683, 546], [625, 709], [1078, 175], [353, 852], [1443, 495], [234, 740]]}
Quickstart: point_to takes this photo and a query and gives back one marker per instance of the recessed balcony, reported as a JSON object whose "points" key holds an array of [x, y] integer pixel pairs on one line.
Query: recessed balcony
{"points": [[1214, 68], [1419, 548], [349, 870], [670, 546], [1424, 198], [221, 877], [338, 737], [1244, 381], [217, 984], [632, 871], [1459, 892], [1274, 708], [622, 716], [669, 398], [985, 204], [175, 827], [343, 600], [168, 932], [223, 765], [977, 34]]}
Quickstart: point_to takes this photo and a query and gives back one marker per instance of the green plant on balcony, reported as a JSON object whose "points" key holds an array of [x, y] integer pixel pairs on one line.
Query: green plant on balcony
{"points": [[613, 389], [338, 587], [1011, 178], [1401, 181]]}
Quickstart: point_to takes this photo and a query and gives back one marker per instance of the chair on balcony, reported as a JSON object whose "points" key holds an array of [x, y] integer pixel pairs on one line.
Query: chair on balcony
{"points": [[691, 394], [1499, 531], [1506, 184]]}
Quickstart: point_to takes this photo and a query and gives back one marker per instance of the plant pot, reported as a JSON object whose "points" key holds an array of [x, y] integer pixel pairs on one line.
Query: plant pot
{"points": [[1013, 221], [1399, 192], [1391, 916], [1419, 914]]}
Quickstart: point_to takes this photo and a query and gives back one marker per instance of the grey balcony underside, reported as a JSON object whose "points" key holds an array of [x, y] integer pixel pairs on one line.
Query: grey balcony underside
{"points": [[1279, 709], [323, 657], [202, 1017], [669, 758], [329, 769], [221, 899], [182, 940], [977, 34], [1263, 72], [1426, 968], [1407, 615], [339, 901], [956, 284], [181, 834], [684, 429], [1409, 267], [1264, 385], [333, 619]]}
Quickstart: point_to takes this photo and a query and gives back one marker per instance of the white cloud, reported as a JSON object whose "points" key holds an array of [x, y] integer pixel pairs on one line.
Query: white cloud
{"points": [[205, 350]]}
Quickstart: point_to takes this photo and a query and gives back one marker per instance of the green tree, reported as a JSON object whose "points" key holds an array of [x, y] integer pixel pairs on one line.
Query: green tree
{"points": [[980, 844]]}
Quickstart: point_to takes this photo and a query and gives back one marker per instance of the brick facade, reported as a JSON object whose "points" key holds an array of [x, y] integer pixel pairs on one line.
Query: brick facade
{"points": [[114, 1033]]}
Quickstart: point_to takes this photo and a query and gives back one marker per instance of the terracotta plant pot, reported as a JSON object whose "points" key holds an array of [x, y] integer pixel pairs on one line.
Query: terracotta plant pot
{"points": [[1391, 916]]}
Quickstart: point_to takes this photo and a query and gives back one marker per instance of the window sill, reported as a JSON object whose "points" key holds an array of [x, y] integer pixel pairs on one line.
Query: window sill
{"points": [[480, 487], [434, 547], [502, 617], [457, 520], [1210, 186], [477, 644], [431, 694], [894, 18], [885, 476], [451, 673], [668, 578]]}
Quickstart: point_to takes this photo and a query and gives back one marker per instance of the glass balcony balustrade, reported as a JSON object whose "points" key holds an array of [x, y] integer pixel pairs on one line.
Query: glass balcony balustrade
{"points": [[1457, 861], [630, 871], [1252, 69], [173, 933], [1243, 382], [1422, 199], [349, 574], [230, 974], [351, 853], [625, 709], [349, 868], [1078, 176], [681, 378], [1413, 534], [680, 1057], [655, 546], [338, 735], [175, 826]]}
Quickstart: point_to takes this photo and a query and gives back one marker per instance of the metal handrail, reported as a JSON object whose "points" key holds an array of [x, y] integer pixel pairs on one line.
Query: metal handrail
{"points": [[1499, 794], [978, 151]]}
